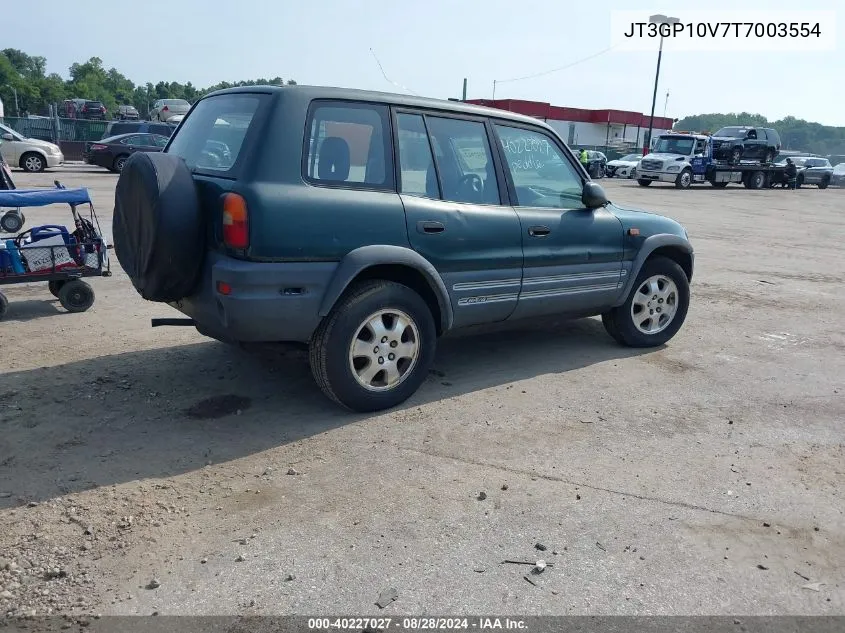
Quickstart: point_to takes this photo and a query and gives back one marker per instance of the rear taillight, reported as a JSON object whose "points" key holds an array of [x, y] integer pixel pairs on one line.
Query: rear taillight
{"points": [[96, 147], [235, 221]]}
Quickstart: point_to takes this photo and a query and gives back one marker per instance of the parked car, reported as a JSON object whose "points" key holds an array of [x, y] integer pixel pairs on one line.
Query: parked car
{"points": [[838, 177], [813, 171], [113, 152], [737, 143], [314, 233], [624, 167], [596, 164], [94, 110], [115, 128], [28, 153], [163, 109], [127, 113]]}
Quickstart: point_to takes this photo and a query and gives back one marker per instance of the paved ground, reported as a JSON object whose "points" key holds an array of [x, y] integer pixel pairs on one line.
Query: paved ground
{"points": [[701, 478]]}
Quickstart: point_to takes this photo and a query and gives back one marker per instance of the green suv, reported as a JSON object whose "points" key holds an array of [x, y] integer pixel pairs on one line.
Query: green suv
{"points": [[367, 224]]}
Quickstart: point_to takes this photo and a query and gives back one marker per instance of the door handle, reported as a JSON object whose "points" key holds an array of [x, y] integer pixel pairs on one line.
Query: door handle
{"points": [[428, 226], [538, 231]]}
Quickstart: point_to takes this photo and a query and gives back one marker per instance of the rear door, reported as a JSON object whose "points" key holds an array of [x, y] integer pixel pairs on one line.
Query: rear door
{"points": [[456, 212], [573, 255]]}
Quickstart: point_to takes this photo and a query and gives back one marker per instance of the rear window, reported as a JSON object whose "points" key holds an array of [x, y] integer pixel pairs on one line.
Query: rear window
{"points": [[211, 137]]}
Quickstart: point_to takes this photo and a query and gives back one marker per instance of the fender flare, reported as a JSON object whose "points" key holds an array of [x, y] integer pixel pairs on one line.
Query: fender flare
{"points": [[650, 245], [365, 257]]}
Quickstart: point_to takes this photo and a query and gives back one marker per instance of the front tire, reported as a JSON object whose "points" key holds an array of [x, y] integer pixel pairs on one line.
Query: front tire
{"points": [[33, 163], [684, 179], [643, 183], [736, 155], [374, 349], [656, 307], [824, 183], [76, 296]]}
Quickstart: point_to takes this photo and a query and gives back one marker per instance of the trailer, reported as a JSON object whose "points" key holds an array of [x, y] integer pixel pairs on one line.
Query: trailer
{"points": [[751, 175]]}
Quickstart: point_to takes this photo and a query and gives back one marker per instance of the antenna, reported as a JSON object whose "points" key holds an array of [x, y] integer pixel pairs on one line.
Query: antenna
{"points": [[665, 103], [388, 79]]}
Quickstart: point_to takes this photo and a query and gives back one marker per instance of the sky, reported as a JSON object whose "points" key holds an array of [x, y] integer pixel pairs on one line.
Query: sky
{"points": [[428, 47]]}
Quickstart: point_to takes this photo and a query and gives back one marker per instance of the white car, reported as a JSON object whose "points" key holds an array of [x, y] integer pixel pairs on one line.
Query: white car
{"points": [[623, 167], [30, 154], [163, 109]]}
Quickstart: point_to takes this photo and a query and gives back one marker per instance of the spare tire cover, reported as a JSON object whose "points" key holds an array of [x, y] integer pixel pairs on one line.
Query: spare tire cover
{"points": [[158, 227]]}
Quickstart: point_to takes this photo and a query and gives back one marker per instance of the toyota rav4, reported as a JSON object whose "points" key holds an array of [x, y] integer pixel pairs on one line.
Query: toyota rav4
{"points": [[366, 225]]}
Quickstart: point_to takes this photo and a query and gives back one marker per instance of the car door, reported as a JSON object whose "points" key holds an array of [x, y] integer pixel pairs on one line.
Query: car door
{"points": [[455, 215], [10, 147], [755, 144], [572, 255]]}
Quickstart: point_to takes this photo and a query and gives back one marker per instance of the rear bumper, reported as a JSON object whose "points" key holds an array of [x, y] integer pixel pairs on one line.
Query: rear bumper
{"points": [[268, 302]]}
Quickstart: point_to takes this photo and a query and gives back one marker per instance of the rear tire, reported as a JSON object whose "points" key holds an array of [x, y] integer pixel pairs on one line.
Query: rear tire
{"points": [[119, 162], [755, 180], [55, 287], [643, 183], [340, 353], [76, 296], [625, 323]]}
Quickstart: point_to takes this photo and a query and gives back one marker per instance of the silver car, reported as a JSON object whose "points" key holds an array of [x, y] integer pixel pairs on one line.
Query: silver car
{"points": [[164, 109], [814, 171], [30, 154]]}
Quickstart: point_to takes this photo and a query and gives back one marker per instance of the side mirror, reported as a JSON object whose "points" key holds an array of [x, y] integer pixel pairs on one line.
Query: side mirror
{"points": [[593, 195], [7, 137]]}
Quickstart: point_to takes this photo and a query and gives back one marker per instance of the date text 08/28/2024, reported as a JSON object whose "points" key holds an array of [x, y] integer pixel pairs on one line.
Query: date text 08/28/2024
{"points": [[416, 624]]}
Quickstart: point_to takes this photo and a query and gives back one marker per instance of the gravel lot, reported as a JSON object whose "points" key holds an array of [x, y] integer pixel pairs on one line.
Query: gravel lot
{"points": [[701, 478]]}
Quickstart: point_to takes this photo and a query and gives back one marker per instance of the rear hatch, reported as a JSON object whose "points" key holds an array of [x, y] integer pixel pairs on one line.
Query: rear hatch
{"points": [[216, 140]]}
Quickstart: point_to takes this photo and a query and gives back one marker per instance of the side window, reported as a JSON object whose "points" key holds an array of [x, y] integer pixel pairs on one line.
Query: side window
{"points": [[541, 174], [416, 166], [135, 139], [159, 141], [347, 144], [699, 146], [464, 160]]}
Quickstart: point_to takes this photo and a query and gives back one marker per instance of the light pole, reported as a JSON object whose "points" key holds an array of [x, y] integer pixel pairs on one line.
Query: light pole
{"points": [[658, 19]]}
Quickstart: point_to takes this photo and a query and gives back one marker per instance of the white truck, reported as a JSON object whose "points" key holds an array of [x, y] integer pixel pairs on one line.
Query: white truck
{"points": [[671, 160]]}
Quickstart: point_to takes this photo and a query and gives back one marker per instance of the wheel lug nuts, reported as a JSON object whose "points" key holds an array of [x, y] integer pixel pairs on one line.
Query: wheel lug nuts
{"points": [[391, 356], [393, 343], [381, 360], [375, 350], [384, 339]]}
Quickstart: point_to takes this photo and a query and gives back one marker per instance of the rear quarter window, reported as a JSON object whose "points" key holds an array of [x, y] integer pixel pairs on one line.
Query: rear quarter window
{"points": [[211, 137]]}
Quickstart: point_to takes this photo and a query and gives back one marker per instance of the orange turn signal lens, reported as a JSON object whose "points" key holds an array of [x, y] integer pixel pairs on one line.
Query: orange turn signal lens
{"points": [[235, 221]]}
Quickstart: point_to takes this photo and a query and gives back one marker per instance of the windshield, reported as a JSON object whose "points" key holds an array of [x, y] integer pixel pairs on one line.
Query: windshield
{"points": [[674, 145], [8, 130], [732, 132]]}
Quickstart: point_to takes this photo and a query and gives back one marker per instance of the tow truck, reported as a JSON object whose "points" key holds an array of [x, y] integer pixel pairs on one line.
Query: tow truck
{"points": [[684, 158]]}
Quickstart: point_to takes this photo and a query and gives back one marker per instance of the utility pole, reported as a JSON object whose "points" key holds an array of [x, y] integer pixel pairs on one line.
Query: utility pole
{"points": [[665, 103], [464, 98]]}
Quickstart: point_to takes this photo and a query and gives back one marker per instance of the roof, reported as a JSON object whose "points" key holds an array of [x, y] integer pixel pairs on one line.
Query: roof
{"points": [[546, 111], [327, 92]]}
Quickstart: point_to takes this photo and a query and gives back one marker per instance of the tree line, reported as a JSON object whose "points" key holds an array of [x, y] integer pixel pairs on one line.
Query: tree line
{"points": [[36, 90], [795, 134]]}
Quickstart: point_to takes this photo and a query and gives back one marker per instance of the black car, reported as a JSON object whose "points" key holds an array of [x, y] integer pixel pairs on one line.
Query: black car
{"points": [[738, 143], [127, 113], [112, 152], [93, 110]]}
